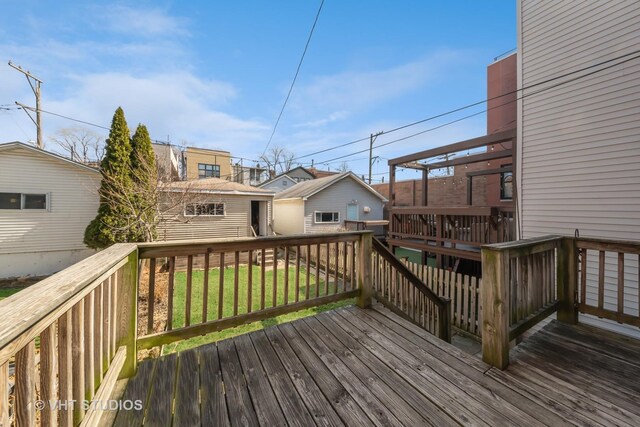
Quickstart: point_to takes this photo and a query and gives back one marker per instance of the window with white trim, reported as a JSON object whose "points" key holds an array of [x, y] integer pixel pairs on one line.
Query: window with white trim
{"points": [[24, 201], [204, 209], [327, 217]]}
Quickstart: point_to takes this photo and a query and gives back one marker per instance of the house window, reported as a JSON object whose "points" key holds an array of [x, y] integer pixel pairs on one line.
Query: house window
{"points": [[23, 201], [208, 171], [204, 209], [506, 186], [327, 217]]}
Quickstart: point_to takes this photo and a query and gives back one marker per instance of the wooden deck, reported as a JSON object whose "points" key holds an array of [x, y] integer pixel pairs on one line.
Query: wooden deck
{"points": [[370, 367]]}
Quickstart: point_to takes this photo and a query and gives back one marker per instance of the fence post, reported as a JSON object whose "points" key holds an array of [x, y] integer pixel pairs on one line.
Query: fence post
{"points": [[495, 307], [567, 280], [364, 268], [129, 315], [445, 322]]}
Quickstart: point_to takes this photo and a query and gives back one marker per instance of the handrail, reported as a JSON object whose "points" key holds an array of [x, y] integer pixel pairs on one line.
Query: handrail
{"points": [[443, 305], [84, 317], [523, 282], [309, 270], [606, 257], [29, 312]]}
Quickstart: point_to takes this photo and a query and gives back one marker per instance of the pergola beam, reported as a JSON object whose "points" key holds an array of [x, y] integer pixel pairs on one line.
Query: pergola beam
{"points": [[475, 158], [495, 138]]}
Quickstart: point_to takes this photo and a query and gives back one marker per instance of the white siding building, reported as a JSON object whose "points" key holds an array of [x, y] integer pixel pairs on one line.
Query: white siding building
{"points": [[46, 202], [214, 208], [322, 205], [578, 151]]}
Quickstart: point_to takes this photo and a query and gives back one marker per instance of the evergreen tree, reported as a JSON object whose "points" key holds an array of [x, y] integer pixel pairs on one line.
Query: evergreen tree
{"points": [[144, 177], [112, 223]]}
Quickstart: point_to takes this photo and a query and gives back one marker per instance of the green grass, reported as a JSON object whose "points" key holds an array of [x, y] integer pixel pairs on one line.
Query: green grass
{"points": [[7, 292], [414, 256], [179, 301]]}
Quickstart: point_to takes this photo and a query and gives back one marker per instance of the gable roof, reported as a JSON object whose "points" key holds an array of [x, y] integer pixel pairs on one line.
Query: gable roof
{"points": [[275, 178], [22, 146], [306, 189], [216, 186]]}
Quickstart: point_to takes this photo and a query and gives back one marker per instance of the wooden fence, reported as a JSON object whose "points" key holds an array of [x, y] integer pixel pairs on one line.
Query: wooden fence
{"points": [[462, 290]]}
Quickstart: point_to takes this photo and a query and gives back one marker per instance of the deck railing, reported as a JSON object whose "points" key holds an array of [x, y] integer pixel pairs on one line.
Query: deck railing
{"points": [[65, 341], [523, 283], [307, 271], [401, 290], [440, 229], [609, 272]]}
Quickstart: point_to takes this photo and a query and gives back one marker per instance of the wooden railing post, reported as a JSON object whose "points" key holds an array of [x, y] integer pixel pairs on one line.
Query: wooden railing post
{"points": [[495, 305], [567, 280], [445, 322], [364, 266], [129, 314]]}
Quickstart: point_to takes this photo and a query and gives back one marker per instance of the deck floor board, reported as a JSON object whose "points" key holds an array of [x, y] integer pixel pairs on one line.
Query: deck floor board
{"points": [[370, 367]]}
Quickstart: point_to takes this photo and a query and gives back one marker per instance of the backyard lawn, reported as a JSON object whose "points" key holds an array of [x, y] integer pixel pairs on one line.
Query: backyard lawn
{"points": [[179, 301], [414, 256]]}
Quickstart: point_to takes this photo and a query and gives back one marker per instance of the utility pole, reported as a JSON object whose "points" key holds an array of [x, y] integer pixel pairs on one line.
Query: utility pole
{"points": [[371, 141], [35, 83]]}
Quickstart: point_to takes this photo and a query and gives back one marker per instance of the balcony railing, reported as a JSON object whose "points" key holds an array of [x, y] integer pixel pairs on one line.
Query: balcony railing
{"points": [[450, 231], [70, 337]]}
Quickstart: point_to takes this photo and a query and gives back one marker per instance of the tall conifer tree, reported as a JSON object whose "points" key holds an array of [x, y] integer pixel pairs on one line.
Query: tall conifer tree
{"points": [[145, 180], [111, 225]]}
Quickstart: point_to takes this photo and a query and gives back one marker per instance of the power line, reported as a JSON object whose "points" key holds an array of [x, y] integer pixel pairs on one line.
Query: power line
{"points": [[475, 104], [295, 77], [506, 103]]}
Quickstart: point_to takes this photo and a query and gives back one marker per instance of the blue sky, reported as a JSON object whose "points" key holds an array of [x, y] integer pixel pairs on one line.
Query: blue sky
{"points": [[215, 73]]}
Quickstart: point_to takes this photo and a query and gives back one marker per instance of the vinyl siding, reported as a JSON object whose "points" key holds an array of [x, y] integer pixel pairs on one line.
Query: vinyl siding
{"points": [[235, 222], [278, 184], [288, 216], [73, 203], [579, 143], [335, 199]]}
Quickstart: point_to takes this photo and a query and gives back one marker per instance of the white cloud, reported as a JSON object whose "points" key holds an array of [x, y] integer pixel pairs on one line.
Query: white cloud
{"points": [[353, 91], [140, 22]]}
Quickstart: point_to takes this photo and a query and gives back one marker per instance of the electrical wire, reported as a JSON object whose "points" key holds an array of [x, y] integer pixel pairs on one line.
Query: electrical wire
{"points": [[474, 104], [501, 105], [295, 77]]}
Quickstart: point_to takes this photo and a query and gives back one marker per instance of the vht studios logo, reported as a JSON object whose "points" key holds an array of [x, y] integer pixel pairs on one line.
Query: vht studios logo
{"points": [[100, 405]]}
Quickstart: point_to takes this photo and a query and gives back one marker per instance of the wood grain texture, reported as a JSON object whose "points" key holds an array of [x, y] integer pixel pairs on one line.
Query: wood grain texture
{"points": [[214, 406], [48, 375], [137, 390], [4, 394], [187, 405], [161, 392], [25, 386], [237, 396], [65, 367], [77, 354]]}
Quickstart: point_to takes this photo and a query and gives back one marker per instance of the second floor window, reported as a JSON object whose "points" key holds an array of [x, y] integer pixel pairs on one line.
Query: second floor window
{"points": [[208, 171]]}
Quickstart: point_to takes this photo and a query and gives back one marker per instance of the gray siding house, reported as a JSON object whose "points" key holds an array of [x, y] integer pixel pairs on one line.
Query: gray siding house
{"points": [[278, 184], [578, 145], [322, 205]]}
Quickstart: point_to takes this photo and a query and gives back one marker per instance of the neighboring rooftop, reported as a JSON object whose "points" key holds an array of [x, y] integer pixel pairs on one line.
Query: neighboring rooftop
{"points": [[217, 185], [309, 188], [21, 145]]}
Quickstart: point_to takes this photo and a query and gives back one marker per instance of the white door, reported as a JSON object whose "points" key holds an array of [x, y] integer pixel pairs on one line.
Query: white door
{"points": [[352, 212]]}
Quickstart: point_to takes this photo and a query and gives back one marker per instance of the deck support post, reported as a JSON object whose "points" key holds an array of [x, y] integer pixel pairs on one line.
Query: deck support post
{"points": [[128, 334], [495, 307], [364, 268], [567, 281]]}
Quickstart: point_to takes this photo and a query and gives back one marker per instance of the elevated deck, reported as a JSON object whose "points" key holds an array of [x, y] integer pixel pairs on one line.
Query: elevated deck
{"points": [[371, 367]]}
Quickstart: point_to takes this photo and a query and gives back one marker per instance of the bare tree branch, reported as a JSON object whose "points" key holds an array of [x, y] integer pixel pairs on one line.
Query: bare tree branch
{"points": [[82, 145]]}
